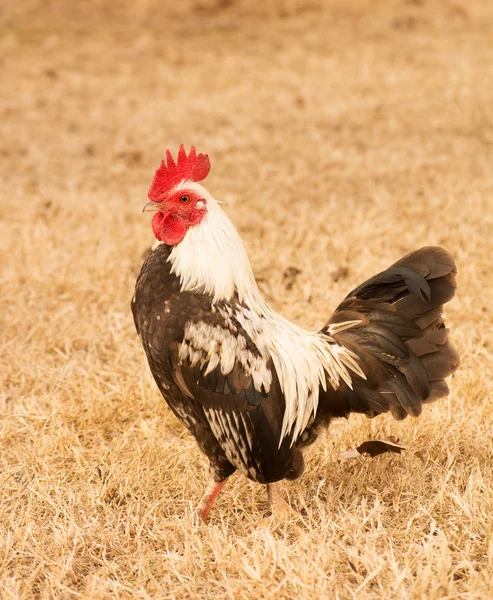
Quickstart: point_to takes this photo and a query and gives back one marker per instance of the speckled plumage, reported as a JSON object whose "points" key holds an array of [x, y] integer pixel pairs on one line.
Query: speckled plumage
{"points": [[227, 392], [253, 388], [236, 425]]}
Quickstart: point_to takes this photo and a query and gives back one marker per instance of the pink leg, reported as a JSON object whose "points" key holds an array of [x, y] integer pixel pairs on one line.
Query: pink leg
{"points": [[277, 504], [208, 499]]}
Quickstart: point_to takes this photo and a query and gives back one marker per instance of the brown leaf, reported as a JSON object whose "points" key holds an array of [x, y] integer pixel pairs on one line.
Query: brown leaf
{"points": [[340, 273], [51, 73], [375, 447], [132, 158], [290, 276]]}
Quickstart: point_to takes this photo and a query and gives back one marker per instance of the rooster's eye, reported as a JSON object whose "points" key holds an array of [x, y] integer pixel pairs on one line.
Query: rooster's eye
{"points": [[184, 199]]}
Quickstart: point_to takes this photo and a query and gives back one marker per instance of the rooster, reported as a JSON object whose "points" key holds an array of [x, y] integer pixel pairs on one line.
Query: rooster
{"points": [[254, 389]]}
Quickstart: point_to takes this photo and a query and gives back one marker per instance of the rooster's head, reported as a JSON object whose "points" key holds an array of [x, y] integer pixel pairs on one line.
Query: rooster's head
{"points": [[176, 198]]}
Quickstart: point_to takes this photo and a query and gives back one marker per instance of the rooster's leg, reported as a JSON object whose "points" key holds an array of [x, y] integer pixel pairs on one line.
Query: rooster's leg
{"points": [[277, 504], [208, 499]]}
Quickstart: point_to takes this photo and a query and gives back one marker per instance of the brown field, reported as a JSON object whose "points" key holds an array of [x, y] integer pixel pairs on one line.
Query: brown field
{"points": [[342, 135]]}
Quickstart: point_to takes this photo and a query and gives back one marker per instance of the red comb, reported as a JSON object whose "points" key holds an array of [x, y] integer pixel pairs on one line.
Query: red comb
{"points": [[194, 167]]}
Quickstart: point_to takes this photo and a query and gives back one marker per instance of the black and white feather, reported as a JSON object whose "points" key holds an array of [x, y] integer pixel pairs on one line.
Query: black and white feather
{"points": [[253, 388]]}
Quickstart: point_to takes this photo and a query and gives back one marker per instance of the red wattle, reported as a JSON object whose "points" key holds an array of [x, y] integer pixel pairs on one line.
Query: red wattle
{"points": [[168, 228]]}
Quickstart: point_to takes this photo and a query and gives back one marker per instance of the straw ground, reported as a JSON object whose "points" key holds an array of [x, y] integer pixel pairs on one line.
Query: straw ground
{"points": [[342, 135]]}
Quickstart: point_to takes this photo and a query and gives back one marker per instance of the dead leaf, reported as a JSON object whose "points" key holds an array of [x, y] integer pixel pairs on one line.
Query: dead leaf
{"points": [[340, 273], [374, 448], [290, 276]]}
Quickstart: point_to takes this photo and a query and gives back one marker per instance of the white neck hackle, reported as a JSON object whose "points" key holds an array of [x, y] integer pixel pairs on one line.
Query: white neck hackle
{"points": [[211, 259]]}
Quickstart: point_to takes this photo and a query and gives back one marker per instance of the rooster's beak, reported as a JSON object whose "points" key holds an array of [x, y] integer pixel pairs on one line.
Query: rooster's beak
{"points": [[151, 206]]}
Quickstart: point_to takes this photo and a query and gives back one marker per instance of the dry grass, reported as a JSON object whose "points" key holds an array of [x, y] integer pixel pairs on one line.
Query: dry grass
{"points": [[341, 136]]}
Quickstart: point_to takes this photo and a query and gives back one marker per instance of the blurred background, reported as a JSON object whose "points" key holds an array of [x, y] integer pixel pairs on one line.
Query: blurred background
{"points": [[363, 98], [343, 127], [342, 134]]}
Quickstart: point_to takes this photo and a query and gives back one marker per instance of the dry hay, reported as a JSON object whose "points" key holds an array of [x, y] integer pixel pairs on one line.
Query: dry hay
{"points": [[341, 135]]}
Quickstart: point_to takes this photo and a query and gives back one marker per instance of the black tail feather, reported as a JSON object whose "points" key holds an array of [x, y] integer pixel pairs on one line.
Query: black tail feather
{"points": [[401, 341]]}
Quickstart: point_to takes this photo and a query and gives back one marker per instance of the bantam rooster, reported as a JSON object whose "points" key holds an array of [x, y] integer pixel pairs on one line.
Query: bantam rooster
{"points": [[252, 388]]}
